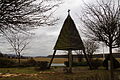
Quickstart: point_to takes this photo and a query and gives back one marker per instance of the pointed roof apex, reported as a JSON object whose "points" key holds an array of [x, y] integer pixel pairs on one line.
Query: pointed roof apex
{"points": [[69, 38], [68, 11]]}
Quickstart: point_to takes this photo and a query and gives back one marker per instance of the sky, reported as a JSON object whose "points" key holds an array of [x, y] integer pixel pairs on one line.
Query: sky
{"points": [[45, 37]]}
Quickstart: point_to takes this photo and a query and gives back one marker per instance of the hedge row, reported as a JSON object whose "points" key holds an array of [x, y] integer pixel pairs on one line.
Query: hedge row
{"points": [[7, 63]]}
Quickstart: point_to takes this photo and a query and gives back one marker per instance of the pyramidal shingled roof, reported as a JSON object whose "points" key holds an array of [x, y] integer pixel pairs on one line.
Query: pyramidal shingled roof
{"points": [[69, 38]]}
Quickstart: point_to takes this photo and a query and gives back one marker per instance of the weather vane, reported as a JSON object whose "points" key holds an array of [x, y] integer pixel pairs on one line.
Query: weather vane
{"points": [[68, 11]]}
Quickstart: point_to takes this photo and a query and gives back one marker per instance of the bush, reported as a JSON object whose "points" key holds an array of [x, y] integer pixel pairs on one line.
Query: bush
{"points": [[96, 63], [29, 63], [42, 65], [5, 63], [76, 64], [116, 63]]}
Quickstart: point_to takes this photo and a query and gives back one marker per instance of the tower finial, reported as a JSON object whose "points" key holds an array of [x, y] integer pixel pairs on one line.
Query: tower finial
{"points": [[68, 11]]}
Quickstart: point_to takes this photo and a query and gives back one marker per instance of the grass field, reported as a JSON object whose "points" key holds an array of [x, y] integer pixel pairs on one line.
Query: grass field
{"points": [[27, 70], [55, 60], [83, 73], [55, 73]]}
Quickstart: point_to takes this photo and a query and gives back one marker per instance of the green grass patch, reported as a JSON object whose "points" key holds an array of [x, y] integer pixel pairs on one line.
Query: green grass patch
{"points": [[82, 73], [27, 70], [20, 78]]}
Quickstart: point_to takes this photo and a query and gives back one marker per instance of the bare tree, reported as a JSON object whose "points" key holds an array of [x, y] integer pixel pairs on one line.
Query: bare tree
{"points": [[18, 14], [22, 15], [102, 24], [79, 53], [90, 48], [18, 42]]}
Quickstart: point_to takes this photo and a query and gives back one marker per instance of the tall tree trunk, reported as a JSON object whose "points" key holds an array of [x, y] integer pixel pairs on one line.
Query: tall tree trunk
{"points": [[90, 58], [86, 57], [111, 63], [19, 57]]}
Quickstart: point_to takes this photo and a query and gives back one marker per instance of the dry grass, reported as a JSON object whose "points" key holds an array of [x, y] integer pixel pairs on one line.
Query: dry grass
{"points": [[58, 60], [55, 60]]}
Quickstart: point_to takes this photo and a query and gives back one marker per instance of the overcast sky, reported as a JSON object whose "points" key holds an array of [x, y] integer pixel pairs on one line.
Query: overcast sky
{"points": [[45, 37]]}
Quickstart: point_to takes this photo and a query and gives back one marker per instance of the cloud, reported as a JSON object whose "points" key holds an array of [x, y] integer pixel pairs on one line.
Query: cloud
{"points": [[45, 37]]}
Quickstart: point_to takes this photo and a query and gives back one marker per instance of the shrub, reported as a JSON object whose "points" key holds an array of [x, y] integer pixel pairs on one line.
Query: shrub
{"points": [[116, 63], [1, 55], [96, 63], [5, 63], [29, 63], [42, 65]]}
